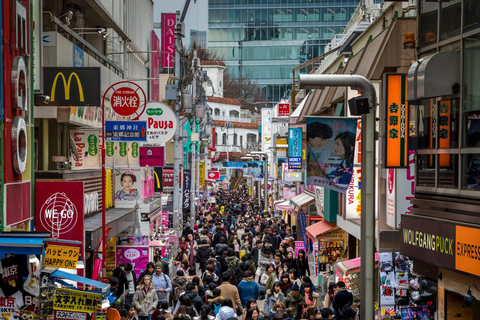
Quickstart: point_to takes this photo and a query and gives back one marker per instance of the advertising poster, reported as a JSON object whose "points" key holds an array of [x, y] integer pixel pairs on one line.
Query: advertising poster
{"points": [[288, 193], [136, 255], [126, 154], [415, 313], [387, 279], [253, 169], [87, 146], [127, 184], [299, 246], [330, 152], [75, 300], [295, 148]]}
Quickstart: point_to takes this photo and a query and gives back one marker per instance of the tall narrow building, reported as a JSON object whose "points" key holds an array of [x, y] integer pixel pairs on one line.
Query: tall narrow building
{"points": [[263, 40]]}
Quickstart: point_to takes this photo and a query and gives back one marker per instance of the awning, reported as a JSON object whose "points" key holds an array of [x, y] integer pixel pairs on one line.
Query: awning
{"points": [[23, 242], [73, 277], [118, 219], [318, 228], [284, 205], [302, 200], [352, 265]]}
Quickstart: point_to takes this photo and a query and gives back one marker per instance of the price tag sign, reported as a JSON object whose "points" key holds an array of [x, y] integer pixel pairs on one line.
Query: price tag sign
{"points": [[61, 257], [74, 300]]}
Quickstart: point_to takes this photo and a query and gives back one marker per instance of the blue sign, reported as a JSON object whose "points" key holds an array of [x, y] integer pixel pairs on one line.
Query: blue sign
{"points": [[187, 184], [303, 227], [295, 148], [126, 131], [77, 56]]}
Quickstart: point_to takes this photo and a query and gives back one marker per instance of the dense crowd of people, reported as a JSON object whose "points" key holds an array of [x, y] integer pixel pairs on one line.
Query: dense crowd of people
{"points": [[243, 255]]}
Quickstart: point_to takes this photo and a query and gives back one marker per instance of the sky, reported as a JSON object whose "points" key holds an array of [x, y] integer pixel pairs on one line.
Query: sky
{"points": [[197, 14]]}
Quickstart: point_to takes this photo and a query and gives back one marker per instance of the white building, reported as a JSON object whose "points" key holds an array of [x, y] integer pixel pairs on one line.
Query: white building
{"points": [[235, 132]]}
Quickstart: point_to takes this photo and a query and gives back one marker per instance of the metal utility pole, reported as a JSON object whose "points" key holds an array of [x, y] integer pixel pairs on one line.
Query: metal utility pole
{"points": [[194, 143], [176, 139], [367, 246]]}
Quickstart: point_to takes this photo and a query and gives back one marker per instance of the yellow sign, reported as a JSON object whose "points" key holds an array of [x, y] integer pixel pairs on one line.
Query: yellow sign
{"points": [[66, 85], [61, 257], [202, 173], [74, 300]]}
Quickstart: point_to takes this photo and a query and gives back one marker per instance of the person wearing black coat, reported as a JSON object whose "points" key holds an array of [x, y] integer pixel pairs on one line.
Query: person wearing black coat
{"points": [[301, 264], [256, 251], [342, 299], [243, 267], [120, 274], [203, 254], [193, 295], [289, 260]]}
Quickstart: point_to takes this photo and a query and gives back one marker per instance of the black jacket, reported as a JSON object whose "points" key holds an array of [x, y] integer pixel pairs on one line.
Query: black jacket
{"points": [[217, 236], [196, 300], [203, 254], [289, 262], [342, 298], [255, 253], [241, 269], [122, 280], [302, 267]]}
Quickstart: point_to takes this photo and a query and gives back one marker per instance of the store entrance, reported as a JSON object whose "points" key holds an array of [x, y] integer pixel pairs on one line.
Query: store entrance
{"points": [[456, 309]]}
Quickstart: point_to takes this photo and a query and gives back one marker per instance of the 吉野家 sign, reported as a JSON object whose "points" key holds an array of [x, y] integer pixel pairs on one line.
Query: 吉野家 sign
{"points": [[125, 131], [295, 148], [74, 300], [152, 156], [61, 257], [72, 86]]}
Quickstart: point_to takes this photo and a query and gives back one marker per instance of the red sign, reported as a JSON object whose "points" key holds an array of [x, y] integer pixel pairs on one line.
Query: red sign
{"points": [[168, 178], [168, 39], [155, 70], [125, 101], [151, 156], [283, 109], [213, 175]]}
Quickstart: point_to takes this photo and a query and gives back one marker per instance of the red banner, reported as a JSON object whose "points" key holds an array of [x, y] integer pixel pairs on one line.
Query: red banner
{"points": [[168, 39]]}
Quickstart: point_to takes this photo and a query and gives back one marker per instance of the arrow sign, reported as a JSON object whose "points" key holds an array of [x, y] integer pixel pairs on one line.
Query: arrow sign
{"points": [[213, 175]]}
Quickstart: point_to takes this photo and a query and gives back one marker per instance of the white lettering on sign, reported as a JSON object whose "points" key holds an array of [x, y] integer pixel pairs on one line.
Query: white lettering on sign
{"points": [[90, 202], [70, 315]]}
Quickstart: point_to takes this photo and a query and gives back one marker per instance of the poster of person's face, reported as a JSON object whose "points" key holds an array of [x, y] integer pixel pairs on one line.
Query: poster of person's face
{"points": [[127, 184], [330, 152]]}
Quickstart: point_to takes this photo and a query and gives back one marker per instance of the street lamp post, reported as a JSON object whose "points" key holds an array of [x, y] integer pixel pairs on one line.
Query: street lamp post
{"points": [[265, 176]]}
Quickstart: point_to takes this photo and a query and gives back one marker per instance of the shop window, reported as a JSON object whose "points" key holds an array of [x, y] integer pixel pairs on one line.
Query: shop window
{"points": [[425, 124], [448, 171], [426, 170], [471, 172], [471, 15], [428, 22], [451, 18]]}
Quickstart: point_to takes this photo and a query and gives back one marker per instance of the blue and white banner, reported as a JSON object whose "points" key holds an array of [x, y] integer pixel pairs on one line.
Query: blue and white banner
{"points": [[187, 183], [295, 148]]}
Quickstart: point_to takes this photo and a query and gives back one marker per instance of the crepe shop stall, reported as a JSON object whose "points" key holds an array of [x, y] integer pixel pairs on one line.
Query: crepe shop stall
{"points": [[37, 279]]}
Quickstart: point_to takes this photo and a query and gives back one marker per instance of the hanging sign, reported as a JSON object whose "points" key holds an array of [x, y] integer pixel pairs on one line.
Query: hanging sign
{"points": [[74, 300], [152, 156], [295, 148], [125, 101], [161, 122], [125, 131], [187, 183], [283, 109], [69, 315], [61, 257]]}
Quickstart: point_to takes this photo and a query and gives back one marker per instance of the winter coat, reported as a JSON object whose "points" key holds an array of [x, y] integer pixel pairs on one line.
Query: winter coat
{"points": [[255, 254], [263, 262], [212, 302], [313, 299], [181, 284], [203, 254], [342, 298], [241, 269], [145, 303], [196, 300], [225, 312], [247, 289], [120, 274], [292, 302], [289, 262], [220, 247], [230, 292], [270, 300], [302, 267]]}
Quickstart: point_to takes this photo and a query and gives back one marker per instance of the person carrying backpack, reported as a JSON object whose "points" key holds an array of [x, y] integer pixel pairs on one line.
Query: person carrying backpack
{"points": [[179, 284]]}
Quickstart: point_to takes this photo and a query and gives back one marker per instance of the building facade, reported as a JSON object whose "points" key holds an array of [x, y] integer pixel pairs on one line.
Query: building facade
{"points": [[264, 40]]}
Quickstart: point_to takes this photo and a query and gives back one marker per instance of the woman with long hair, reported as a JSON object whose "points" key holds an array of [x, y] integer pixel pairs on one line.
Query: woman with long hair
{"points": [[285, 284], [311, 298], [273, 295], [252, 314], [266, 275], [179, 257], [145, 298], [183, 243], [301, 264], [344, 146]]}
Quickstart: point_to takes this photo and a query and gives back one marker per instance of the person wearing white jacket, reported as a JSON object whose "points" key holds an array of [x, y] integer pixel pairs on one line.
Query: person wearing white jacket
{"points": [[226, 311]]}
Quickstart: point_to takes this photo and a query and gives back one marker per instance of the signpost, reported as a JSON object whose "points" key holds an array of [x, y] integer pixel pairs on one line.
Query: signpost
{"points": [[213, 175], [61, 257], [125, 131], [74, 300], [125, 101]]}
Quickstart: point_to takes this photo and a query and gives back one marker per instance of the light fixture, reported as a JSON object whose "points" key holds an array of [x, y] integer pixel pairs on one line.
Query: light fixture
{"points": [[80, 264], [469, 299], [67, 17]]}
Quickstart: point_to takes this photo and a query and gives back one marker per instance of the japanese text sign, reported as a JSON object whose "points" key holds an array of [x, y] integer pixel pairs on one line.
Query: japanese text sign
{"points": [[125, 131], [295, 148], [187, 183], [151, 156], [283, 109], [125, 101], [396, 137], [61, 257], [74, 300], [68, 315]]}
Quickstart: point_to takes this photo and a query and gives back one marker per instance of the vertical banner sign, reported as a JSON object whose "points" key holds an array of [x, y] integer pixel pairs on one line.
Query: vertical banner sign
{"points": [[168, 178], [187, 182], [158, 176], [266, 128], [202, 173], [315, 259], [396, 136], [155, 70], [303, 227], [391, 198], [295, 148], [283, 109], [168, 39], [444, 131], [330, 152], [87, 146]]}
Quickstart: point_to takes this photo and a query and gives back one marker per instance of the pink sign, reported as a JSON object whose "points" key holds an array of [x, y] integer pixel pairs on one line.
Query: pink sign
{"points": [[137, 256], [168, 39], [288, 193], [299, 246], [155, 70], [165, 219], [151, 156]]}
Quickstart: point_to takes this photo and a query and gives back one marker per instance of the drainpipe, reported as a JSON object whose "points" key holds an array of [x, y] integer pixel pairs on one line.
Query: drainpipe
{"points": [[367, 246]]}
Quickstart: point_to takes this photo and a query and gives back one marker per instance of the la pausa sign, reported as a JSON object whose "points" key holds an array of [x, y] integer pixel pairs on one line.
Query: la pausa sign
{"points": [[161, 123]]}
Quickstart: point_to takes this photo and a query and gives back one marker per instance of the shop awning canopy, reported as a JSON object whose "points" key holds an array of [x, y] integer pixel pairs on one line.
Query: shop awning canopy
{"points": [[352, 265], [284, 205], [73, 277], [23, 242], [318, 228], [302, 200]]}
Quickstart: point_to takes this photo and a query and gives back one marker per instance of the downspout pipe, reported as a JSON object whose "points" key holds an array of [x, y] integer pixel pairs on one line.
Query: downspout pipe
{"points": [[367, 245]]}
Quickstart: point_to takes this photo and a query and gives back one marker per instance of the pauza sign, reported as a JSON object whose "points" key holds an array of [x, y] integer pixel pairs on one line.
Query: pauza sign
{"points": [[72, 86]]}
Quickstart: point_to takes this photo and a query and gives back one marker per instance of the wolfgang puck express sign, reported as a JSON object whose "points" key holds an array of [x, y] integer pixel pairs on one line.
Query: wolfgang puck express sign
{"points": [[443, 244]]}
